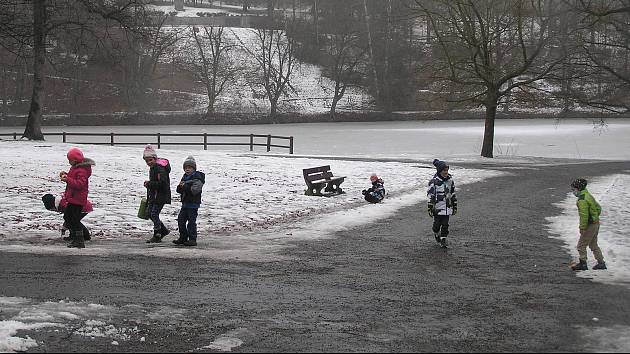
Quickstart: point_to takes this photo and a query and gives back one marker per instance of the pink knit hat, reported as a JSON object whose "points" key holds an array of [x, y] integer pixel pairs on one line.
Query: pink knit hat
{"points": [[373, 177], [74, 154], [149, 151]]}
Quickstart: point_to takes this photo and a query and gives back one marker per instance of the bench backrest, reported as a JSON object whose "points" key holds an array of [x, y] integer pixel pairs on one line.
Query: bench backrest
{"points": [[317, 173]]}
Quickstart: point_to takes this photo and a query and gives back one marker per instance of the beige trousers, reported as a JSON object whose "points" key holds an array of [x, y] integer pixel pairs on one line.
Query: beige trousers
{"points": [[588, 238]]}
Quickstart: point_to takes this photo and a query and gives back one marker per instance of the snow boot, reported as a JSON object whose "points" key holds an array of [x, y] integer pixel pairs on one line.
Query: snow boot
{"points": [[190, 243], [164, 231], [437, 237], [77, 239], [86, 234], [443, 242], [580, 266], [157, 237], [600, 265], [180, 240]]}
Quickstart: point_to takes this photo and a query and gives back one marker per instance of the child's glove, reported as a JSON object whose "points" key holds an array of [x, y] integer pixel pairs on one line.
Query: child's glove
{"points": [[430, 209]]}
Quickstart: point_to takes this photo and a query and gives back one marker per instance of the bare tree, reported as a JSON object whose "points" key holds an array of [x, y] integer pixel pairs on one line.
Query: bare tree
{"points": [[146, 41], [49, 19], [488, 48], [346, 56], [213, 68], [605, 37], [275, 55]]}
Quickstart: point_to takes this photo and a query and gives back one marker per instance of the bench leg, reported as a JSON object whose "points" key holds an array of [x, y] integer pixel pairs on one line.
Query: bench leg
{"points": [[316, 190], [334, 187]]}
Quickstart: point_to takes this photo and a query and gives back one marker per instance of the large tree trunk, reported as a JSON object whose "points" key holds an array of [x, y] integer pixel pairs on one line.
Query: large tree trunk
{"points": [[270, 8], [33, 130], [371, 50], [387, 95], [488, 135], [333, 107], [5, 93]]}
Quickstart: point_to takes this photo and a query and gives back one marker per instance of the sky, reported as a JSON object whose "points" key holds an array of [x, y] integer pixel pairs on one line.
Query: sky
{"points": [[254, 203]]}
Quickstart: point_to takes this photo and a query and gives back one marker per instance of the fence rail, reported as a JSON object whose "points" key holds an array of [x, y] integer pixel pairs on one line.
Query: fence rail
{"points": [[254, 139]]}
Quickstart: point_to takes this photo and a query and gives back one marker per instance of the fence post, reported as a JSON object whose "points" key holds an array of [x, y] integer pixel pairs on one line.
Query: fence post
{"points": [[205, 141], [268, 143], [64, 136], [291, 145], [14, 136], [111, 139], [251, 142], [159, 142]]}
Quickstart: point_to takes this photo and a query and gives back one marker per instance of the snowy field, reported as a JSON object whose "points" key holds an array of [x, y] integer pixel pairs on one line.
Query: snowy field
{"points": [[251, 204], [254, 204]]}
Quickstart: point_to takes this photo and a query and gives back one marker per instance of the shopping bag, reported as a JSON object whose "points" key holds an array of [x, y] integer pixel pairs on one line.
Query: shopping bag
{"points": [[143, 212]]}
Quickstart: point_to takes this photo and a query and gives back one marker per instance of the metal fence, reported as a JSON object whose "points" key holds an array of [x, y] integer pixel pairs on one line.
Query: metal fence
{"points": [[250, 140]]}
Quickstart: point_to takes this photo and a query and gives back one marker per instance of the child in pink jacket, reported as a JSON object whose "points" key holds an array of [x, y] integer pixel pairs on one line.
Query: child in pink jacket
{"points": [[77, 188]]}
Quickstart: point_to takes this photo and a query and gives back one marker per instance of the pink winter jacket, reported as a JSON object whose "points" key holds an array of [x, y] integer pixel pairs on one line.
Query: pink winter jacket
{"points": [[63, 204], [77, 185]]}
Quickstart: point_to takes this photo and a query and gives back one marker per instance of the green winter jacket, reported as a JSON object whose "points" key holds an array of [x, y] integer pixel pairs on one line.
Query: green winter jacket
{"points": [[588, 208]]}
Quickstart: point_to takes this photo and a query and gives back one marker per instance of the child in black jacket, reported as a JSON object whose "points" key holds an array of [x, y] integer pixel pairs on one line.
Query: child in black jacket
{"points": [[158, 191]]}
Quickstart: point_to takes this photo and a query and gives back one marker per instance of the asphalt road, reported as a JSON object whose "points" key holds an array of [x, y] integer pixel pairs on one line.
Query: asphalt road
{"points": [[504, 285]]}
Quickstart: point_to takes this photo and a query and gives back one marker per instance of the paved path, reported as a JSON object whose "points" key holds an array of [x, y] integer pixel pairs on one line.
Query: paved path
{"points": [[504, 285]]}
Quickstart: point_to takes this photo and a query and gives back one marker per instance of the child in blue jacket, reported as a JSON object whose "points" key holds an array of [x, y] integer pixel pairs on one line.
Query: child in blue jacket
{"points": [[190, 189]]}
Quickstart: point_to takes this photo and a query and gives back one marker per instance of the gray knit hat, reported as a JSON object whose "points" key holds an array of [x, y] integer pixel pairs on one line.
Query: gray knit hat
{"points": [[190, 161]]}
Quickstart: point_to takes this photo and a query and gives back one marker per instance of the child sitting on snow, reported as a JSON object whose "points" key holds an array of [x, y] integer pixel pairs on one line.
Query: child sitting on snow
{"points": [[376, 193]]}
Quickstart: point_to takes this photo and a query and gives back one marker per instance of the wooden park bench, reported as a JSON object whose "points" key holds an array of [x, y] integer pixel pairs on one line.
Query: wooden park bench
{"points": [[318, 178]]}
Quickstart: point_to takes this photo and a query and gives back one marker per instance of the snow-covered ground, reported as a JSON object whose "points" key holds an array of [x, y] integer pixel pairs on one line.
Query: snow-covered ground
{"points": [[613, 194], [254, 203]]}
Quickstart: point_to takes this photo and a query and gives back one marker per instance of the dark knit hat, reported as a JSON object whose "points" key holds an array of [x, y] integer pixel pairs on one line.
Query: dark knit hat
{"points": [[190, 161], [579, 184], [49, 201], [439, 165]]}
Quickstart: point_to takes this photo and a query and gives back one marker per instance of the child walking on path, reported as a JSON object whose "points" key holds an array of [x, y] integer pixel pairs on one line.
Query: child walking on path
{"points": [[158, 191], [589, 211], [376, 193], [190, 188], [442, 201], [59, 204], [77, 189]]}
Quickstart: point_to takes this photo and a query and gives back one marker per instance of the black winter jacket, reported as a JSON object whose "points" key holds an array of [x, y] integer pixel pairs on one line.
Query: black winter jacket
{"points": [[159, 187]]}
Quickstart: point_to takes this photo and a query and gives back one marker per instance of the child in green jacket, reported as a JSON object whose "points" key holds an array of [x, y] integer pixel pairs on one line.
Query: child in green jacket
{"points": [[589, 211]]}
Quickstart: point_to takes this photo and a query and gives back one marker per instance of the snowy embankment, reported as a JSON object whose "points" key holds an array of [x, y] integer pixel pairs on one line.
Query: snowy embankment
{"points": [[613, 195], [309, 91], [253, 205]]}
